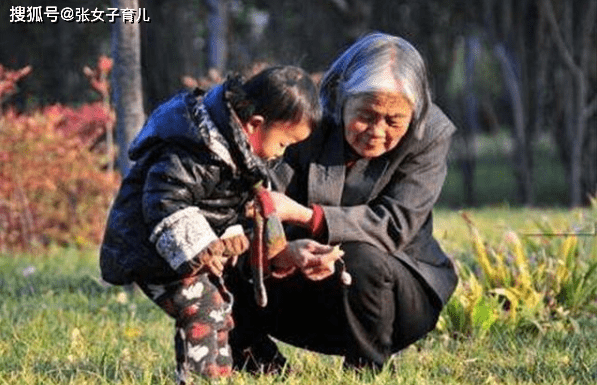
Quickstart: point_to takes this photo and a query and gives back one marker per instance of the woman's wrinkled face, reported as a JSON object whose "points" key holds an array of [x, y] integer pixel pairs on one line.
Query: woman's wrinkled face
{"points": [[374, 123]]}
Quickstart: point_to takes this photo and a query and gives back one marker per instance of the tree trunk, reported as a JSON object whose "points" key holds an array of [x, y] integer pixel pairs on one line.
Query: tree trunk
{"points": [[540, 70], [589, 166], [522, 170], [217, 41], [127, 86], [472, 47], [505, 24]]}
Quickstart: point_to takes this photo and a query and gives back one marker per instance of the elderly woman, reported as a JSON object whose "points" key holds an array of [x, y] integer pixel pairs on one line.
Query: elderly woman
{"points": [[368, 181]]}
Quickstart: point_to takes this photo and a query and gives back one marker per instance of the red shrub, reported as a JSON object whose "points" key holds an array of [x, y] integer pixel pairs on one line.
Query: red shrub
{"points": [[54, 187]]}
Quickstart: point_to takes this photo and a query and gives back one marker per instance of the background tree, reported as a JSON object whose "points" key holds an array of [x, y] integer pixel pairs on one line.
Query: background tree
{"points": [[574, 38], [172, 46], [505, 26], [127, 86], [495, 66], [217, 41]]}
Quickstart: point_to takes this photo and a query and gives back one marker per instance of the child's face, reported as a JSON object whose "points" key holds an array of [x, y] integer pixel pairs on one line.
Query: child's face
{"points": [[270, 142]]}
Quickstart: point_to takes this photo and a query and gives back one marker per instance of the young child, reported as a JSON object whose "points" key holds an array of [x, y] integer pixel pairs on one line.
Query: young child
{"points": [[177, 219]]}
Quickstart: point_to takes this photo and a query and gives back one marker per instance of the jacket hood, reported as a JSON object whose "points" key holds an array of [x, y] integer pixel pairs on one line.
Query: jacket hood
{"points": [[192, 121], [169, 123]]}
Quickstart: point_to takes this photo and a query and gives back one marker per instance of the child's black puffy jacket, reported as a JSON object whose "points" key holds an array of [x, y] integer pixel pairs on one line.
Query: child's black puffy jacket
{"points": [[193, 174]]}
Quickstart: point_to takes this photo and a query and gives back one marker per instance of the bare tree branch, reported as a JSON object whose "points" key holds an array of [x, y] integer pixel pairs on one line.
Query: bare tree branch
{"points": [[557, 35]]}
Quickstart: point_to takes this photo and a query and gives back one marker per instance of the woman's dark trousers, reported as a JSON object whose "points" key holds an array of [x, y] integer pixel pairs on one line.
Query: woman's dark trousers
{"points": [[386, 308]]}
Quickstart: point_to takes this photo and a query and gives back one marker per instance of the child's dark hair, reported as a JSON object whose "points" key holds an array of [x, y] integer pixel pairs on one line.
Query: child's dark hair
{"points": [[278, 93]]}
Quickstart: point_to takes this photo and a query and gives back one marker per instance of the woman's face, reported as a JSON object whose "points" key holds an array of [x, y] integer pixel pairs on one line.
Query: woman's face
{"points": [[374, 123]]}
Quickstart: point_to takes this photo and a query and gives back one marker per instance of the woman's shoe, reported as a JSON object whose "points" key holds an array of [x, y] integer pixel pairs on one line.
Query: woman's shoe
{"points": [[262, 357]]}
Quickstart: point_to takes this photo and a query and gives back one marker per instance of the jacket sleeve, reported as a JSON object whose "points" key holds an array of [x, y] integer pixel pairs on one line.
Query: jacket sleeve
{"points": [[180, 230], [394, 217]]}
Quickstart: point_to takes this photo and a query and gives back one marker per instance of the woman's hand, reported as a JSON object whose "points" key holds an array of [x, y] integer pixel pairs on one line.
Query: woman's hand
{"points": [[326, 268], [290, 211], [315, 260]]}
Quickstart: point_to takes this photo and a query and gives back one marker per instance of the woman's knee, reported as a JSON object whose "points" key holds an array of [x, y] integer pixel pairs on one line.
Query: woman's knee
{"points": [[365, 262], [417, 308], [370, 297], [386, 289]]}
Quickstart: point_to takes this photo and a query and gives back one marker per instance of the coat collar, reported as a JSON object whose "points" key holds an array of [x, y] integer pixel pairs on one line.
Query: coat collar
{"points": [[228, 124], [326, 176], [331, 184], [362, 179]]}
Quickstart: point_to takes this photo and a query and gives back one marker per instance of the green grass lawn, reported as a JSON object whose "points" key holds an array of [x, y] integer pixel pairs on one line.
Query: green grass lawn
{"points": [[60, 325]]}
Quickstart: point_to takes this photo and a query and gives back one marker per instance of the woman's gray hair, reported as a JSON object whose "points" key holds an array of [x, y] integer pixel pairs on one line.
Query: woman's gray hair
{"points": [[364, 67]]}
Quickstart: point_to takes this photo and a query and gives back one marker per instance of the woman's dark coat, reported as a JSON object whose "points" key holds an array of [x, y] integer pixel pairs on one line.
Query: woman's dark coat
{"points": [[385, 201]]}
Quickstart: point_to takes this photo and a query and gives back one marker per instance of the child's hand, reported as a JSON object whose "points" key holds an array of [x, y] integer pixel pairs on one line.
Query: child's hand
{"points": [[235, 243], [219, 253], [234, 246], [211, 259]]}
